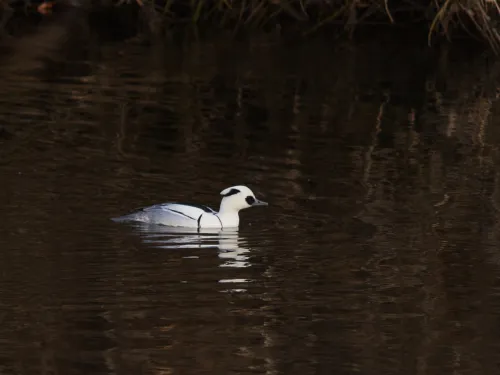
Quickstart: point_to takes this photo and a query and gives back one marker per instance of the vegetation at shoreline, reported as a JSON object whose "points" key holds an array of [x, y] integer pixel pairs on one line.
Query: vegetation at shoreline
{"points": [[477, 18], [441, 17]]}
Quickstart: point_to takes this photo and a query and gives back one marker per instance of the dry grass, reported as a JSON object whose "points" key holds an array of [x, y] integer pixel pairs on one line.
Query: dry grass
{"points": [[441, 17], [477, 17], [482, 14]]}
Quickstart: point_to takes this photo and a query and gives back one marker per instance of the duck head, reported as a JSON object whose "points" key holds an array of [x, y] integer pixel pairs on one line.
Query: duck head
{"points": [[237, 198]]}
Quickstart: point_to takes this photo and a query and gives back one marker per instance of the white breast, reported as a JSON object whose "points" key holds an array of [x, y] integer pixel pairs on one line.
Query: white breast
{"points": [[209, 220]]}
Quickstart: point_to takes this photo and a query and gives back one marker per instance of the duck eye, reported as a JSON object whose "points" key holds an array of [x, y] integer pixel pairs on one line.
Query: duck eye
{"points": [[250, 200]]}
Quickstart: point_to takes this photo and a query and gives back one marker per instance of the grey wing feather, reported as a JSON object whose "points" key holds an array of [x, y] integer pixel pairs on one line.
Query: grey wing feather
{"points": [[173, 214]]}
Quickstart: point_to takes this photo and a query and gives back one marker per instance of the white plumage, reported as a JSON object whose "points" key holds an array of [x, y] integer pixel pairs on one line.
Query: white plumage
{"points": [[234, 199]]}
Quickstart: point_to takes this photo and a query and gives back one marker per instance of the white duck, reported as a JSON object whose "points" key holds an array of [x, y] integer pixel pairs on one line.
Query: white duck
{"points": [[234, 199]]}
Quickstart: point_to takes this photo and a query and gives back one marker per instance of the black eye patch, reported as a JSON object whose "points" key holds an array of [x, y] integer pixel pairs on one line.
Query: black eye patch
{"points": [[231, 192], [250, 200]]}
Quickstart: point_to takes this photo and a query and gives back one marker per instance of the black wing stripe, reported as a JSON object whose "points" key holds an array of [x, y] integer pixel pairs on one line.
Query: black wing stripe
{"points": [[180, 213], [199, 220], [201, 207], [222, 226]]}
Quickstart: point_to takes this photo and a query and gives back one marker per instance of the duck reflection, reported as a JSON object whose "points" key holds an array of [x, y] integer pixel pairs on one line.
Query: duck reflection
{"points": [[230, 245]]}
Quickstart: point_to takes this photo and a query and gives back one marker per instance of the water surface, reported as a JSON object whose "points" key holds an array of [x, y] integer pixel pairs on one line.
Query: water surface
{"points": [[378, 253]]}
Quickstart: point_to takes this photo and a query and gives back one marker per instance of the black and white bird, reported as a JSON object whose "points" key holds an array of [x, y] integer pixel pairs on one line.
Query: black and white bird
{"points": [[234, 199]]}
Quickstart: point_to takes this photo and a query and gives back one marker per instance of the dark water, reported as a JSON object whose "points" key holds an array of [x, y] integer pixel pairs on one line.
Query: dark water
{"points": [[378, 253]]}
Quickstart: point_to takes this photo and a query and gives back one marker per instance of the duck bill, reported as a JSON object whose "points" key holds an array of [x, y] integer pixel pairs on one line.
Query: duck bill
{"points": [[260, 203]]}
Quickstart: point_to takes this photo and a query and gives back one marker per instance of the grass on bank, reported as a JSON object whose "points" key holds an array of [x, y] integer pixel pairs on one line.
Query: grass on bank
{"points": [[477, 17]]}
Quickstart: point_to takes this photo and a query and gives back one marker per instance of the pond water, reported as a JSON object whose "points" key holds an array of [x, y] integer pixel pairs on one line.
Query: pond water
{"points": [[378, 253]]}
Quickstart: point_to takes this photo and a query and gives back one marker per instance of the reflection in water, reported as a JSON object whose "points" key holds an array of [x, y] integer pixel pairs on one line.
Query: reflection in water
{"points": [[230, 245]]}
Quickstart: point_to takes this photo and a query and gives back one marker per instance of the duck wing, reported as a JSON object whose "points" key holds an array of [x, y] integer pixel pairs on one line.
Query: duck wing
{"points": [[193, 211], [172, 214]]}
